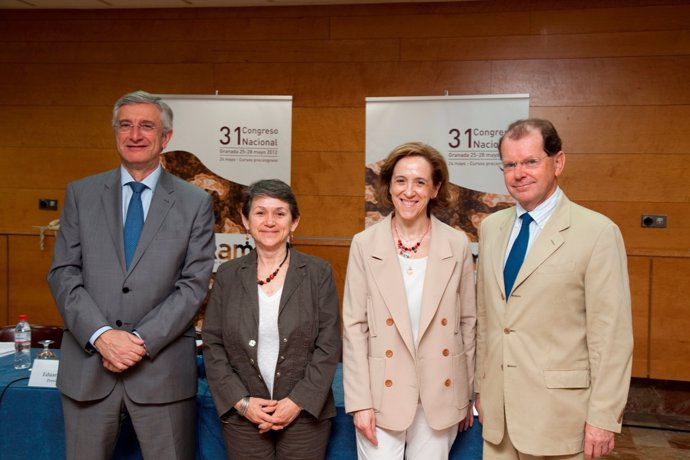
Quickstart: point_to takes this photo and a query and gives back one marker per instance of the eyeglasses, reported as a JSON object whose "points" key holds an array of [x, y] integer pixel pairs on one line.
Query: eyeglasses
{"points": [[530, 163], [127, 126]]}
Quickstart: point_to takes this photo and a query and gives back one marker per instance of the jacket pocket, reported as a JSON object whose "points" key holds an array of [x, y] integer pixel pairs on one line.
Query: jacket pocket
{"points": [[554, 269], [571, 378]]}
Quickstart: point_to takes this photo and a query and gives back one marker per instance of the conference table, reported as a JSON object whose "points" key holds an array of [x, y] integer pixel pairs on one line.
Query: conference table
{"points": [[31, 425]]}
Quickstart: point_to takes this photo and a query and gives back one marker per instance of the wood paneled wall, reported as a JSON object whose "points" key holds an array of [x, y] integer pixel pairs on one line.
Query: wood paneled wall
{"points": [[612, 75]]}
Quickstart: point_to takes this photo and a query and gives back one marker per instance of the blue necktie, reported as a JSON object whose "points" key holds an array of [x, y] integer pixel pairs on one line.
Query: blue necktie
{"points": [[134, 222], [517, 254]]}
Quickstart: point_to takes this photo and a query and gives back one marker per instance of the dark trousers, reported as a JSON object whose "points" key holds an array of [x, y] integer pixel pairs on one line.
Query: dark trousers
{"points": [[304, 439]]}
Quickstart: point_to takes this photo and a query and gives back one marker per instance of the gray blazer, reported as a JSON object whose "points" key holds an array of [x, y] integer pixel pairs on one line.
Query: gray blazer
{"points": [[158, 296], [309, 324]]}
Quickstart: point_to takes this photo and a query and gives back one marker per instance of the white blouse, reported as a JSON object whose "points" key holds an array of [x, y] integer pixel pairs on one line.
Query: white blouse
{"points": [[413, 271], [269, 336]]}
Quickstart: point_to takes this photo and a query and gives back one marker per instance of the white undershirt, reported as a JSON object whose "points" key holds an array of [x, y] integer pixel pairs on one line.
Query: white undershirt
{"points": [[269, 336], [413, 271]]}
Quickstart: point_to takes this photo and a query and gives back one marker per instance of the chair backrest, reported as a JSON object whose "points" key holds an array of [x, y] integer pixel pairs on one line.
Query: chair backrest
{"points": [[38, 332], [7, 333]]}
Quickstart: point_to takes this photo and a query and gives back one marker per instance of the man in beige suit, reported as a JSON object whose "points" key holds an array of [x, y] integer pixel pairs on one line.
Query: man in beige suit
{"points": [[554, 344]]}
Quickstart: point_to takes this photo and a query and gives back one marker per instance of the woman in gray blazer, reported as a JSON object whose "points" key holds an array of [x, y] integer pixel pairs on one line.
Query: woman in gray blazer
{"points": [[271, 337]]}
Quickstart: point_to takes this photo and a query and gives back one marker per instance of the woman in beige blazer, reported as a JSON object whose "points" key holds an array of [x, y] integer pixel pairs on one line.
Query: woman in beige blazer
{"points": [[409, 318]]}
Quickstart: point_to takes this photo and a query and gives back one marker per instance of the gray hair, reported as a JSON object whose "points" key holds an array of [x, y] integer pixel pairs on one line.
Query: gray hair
{"points": [[142, 97]]}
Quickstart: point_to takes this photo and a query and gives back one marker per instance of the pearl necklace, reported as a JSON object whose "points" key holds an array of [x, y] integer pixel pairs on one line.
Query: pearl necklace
{"points": [[270, 277]]}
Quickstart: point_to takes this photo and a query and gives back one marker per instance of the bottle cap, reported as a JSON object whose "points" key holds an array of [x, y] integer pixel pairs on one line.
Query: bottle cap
{"points": [[22, 317]]}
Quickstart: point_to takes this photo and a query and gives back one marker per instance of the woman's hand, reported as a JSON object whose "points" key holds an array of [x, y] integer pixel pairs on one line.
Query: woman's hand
{"points": [[365, 423], [468, 421], [259, 411], [285, 412]]}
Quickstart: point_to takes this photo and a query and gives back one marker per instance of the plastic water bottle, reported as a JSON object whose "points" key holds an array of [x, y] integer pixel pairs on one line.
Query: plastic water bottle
{"points": [[22, 344]]}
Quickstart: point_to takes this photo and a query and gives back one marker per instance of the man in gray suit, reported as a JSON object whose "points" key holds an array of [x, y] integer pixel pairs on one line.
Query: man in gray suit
{"points": [[128, 306]]}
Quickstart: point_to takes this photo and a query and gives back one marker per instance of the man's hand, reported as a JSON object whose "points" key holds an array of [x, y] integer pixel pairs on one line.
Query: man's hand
{"points": [[365, 423], [119, 350], [598, 442]]}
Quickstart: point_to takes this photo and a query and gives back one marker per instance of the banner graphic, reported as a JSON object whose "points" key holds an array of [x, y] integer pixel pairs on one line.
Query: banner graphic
{"points": [[224, 143], [465, 129]]}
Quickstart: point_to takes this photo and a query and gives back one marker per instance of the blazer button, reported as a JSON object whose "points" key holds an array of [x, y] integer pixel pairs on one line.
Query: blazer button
{"points": [[252, 343], [389, 353], [506, 330], [125, 290], [118, 323], [502, 297], [278, 374], [251, 361], [447, 382], [389, 383], [445, 352], [444, 322], [389, 321]]}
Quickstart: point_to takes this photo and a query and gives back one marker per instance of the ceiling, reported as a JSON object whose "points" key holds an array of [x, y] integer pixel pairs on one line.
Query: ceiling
{"points": [[115, 4]]}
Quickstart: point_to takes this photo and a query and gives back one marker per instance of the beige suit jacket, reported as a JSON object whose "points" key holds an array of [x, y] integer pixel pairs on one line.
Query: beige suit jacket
{"points": [[382, 368], [558, 353]]}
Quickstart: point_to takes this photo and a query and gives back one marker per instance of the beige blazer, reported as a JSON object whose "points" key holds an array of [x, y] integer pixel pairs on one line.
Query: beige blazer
{"points": [[382, 368], [558, 353]]}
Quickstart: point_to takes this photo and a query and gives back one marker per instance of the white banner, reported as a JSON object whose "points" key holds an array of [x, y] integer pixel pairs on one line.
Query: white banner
{"points": [[465, 129], [223, 144]]}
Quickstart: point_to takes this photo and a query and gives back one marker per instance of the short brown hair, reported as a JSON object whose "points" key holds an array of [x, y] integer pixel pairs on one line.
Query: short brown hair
{"points": [[521, 128], [439, 172]]}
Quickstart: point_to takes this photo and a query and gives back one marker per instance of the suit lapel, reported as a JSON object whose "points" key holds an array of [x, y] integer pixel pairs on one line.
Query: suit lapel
{"points": [[293, 278], [161, 202], [548, 241], [499, 244], [248, 280], [385, 269], [440, 266], [112, 208]]}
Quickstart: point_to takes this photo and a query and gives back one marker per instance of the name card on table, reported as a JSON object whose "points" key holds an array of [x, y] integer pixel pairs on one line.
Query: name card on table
{"points": [[44, 373]]}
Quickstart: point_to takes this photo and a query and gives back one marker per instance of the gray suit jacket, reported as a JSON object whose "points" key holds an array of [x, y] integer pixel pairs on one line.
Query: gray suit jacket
{"points": [[158, 296], [309, 325], [557, 353]]}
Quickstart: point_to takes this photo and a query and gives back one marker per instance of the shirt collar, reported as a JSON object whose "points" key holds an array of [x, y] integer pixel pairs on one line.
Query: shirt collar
{"points": [[150, 181], [541, 213]]}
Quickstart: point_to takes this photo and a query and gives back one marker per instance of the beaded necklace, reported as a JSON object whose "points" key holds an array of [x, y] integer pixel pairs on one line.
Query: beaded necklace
{"points": [[270, 277], [405, 251]]}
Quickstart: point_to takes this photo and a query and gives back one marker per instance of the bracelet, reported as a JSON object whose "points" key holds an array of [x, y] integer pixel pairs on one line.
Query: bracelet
{"points": [[244, 406]]}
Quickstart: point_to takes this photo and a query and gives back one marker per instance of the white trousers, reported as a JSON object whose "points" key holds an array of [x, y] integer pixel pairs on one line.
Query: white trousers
{"points": [[418, 442]]}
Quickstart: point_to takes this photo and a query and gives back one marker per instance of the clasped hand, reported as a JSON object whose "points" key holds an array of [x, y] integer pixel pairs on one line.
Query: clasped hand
{"points": [[119, 350], [269, 414]]}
